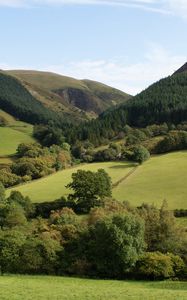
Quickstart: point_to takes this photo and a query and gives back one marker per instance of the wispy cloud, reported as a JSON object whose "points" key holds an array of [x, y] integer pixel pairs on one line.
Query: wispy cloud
{"points": [[131, 78], [150, 5], [173, 7]]}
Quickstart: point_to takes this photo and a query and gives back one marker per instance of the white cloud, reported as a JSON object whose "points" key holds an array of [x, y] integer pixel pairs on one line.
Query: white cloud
{"points": [[13, 3], [178, 7], [150, 5], [131, 78], [173, 7]]}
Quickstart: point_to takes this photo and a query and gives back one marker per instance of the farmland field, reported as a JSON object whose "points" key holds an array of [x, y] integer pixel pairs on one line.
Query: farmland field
{"points": [[10, 139], [53, 187], [162, 177], [63, 288]]}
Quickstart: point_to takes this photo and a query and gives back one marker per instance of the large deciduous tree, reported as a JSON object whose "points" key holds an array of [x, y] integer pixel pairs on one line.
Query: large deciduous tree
{"points": [[90, 188]]}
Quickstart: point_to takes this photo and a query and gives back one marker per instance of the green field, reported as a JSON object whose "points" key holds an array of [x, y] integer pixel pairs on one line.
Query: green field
{"points": [[10, 139], [63, 288], [53, 187], [16, 124], [162, 177], [182, 221], [12, 135]]}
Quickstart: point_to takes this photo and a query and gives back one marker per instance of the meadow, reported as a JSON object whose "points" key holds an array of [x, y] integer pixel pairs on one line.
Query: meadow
{"points": [[11, 138], [162, 177], [63, 288], [53, 187], [12, 135]]}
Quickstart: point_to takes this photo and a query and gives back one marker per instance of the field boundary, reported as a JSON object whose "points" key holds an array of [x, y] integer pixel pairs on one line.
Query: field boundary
{"points": [[115, 184]]}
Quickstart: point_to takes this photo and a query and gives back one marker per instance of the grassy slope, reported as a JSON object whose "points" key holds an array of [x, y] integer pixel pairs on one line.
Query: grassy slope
{"points": [[53, 187], [162, 177], [16, 124], [47, 80], [11, 138], [63, 288], [100, 94], [12, 135]]}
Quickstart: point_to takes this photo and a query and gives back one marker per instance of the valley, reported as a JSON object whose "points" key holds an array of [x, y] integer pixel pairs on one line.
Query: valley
{"points": [[93, 150]]}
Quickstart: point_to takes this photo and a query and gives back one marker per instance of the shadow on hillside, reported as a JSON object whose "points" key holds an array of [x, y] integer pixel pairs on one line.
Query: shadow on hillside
{"points": [[123, 166]]}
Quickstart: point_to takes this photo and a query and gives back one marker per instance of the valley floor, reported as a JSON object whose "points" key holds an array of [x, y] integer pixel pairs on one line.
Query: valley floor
{"points": [[163, 177], [64, 288]]}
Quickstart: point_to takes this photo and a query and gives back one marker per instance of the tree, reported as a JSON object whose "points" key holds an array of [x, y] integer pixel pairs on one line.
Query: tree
{"points": [[89, 188], [2, 192], [141, 154], [15, 216], [155, 265], [114, 245], [17, 198]]}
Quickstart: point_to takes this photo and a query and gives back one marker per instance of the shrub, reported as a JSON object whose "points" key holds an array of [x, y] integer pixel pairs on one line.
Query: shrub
{"points": [[157, 266], [140, 154]]}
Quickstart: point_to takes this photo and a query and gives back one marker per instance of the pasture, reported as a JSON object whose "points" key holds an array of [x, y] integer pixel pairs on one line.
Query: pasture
{"points": [[162, 177], [11, 138], [53, 187], [64, 288]]}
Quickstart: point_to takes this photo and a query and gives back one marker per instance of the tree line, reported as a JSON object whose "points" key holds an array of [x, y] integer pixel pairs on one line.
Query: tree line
{"points": [[164, 101]]}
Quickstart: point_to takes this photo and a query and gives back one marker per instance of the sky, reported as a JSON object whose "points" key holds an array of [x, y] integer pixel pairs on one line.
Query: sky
{"points": [[127, 44]]}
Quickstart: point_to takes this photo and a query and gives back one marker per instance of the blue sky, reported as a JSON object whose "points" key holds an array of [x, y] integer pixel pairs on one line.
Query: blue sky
{"points": [[126, 44]]}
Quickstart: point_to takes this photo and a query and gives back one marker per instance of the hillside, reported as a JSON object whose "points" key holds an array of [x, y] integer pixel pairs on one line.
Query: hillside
{"points": [[71, 94], [152, 182], [16, 100], [182, 69], [164, 101], [12, 134]]}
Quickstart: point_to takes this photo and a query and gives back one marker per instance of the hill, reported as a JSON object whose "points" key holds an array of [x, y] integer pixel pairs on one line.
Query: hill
{"points": [[182, 69], [164, 101], [85, 95], [12, 134], [11, 138], [162, 177], [16, 100]]}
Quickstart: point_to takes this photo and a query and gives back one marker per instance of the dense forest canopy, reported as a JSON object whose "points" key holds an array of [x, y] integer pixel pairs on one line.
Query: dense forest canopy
{"points": [[16, 100], [164, 101]]}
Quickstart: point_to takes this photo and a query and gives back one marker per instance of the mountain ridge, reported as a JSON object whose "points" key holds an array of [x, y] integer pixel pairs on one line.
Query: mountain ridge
{"points": [[89, 96], [181, 69]]}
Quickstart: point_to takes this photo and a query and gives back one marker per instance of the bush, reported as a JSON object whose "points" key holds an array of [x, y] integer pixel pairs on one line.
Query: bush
{"points": [[158, 266], [140, 154], [8, 178]]}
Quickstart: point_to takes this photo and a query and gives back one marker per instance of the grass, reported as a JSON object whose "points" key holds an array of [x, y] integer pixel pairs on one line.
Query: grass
{"points": [[63, 288], [47, 80], [16, 124], [10, 139], [12, 135], [162, 177], [182, 221], [53, 187]]}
